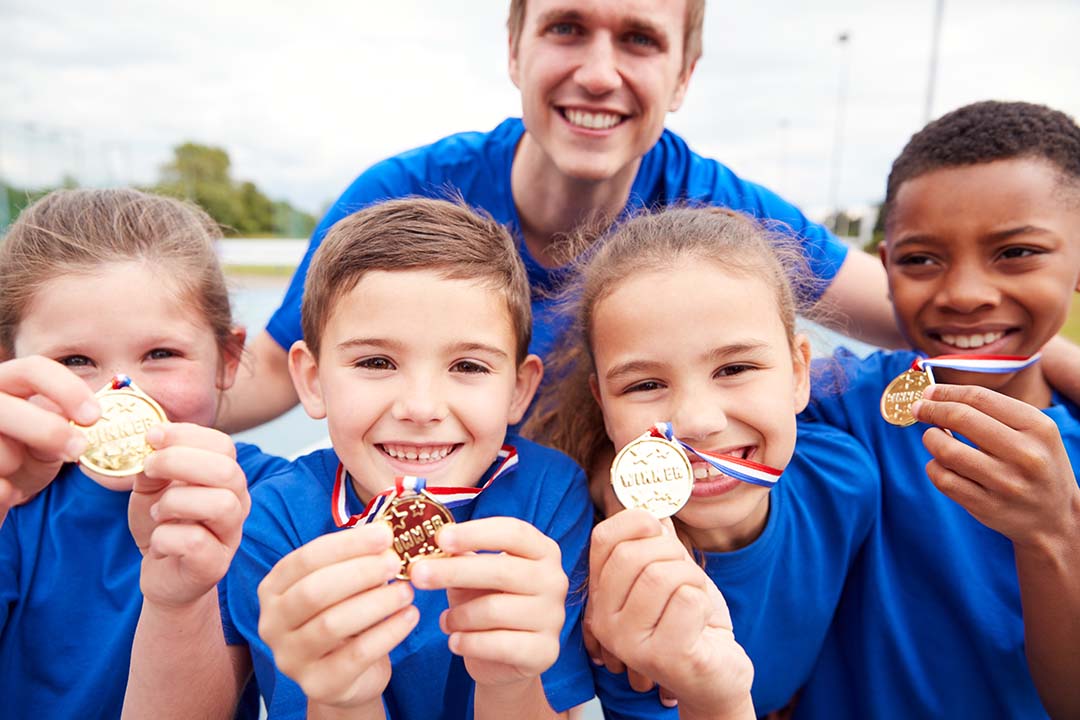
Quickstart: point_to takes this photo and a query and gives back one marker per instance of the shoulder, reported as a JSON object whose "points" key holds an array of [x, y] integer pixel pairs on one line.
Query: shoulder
{"points": [[829, 457], [294, 501], [257, 464], [845, 375]]}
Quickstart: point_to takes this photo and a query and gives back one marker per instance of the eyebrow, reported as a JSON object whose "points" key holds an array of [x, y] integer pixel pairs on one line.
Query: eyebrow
{"points": [[395, 346], [991, 238], [379, 343], [717, 354]]}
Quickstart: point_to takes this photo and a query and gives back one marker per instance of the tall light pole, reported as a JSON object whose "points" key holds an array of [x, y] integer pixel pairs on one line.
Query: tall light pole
{"points": [[935, 41], [843, 40]]}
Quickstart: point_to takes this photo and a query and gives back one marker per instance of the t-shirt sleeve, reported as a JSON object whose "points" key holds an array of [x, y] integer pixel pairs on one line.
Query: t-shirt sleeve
{"points": [[382, 181], [831, 381], [568, 682]]}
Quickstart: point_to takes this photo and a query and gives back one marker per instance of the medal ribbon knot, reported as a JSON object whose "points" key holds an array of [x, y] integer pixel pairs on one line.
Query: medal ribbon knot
{"points": [[449, 496], [747, 471]]}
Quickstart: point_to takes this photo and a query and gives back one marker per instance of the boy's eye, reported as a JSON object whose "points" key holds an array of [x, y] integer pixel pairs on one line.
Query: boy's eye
{"points": [[1011, 253], [915, 260], [376, 363], [469, 367], [76, 361]]}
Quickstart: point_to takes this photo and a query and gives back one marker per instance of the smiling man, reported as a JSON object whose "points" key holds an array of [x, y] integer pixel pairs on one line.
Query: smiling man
{"points": [[597, 79]]}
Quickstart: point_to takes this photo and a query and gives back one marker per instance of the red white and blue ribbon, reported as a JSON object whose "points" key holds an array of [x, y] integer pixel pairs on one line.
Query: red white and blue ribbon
{"points": [[120, 381], [995, 364], [448, 496], [744, 470]]}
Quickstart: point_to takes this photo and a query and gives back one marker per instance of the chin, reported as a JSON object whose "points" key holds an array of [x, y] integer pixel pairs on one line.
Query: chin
{"points": [[116, 484]]}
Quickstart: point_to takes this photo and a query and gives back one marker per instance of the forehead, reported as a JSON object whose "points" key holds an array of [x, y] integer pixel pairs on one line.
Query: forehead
{"points": [[663, 15], [1018, 190], [424, 303]]}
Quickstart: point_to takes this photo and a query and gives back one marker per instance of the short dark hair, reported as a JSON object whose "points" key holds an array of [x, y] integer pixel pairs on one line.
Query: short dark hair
{"points": [[986, 131]]}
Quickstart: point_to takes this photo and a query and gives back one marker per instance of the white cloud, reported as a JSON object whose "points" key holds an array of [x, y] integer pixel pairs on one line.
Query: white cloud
{"points": [[305, 95]]}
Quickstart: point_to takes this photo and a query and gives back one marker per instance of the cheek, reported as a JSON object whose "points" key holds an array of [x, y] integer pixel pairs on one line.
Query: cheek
{"points": [[186, 398]]}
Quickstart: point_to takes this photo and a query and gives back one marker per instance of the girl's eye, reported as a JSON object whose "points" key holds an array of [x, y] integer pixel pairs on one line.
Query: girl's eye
{"points": [[376, 363], [161, 354], [644, 386], [76, 361], [733, 369], [469, 367]]}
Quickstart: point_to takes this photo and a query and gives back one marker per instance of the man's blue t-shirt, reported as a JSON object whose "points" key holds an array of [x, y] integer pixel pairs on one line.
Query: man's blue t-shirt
{"points": [[783, 588], [477, 165], [930, 623], [70, 599], [546, 489]]}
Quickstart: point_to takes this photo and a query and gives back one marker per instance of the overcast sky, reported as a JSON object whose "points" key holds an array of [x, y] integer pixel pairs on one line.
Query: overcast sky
{"points": [[305, 95]]}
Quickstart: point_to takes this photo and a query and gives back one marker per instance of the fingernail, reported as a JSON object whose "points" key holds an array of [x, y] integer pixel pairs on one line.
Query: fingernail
{"points": [[88, 413], [155, 436], [668, 702], [445, 538], [420, 575], [154, 511], [915, 407], [596, 661], [454, 642], [75, 447], [442, 622]]}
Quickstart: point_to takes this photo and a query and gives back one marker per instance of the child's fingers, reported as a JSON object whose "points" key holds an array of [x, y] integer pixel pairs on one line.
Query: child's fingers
{"points": [[1008, 411], [326, 586], [192, 466], [324, 551], [532, 652], [684, 617], [639, 681], [167, 435], [966, 461], [206, 558], [217, 509], [626, 525], [502, 534], [29, 376], [502, 572], [652, 591], [48, 435], [956, 487], [354, 615], [611, 661], [493, 611], [611, 583]]}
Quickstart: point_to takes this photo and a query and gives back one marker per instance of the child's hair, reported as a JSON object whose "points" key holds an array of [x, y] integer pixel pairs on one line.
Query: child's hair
{"points": [[986, 131], [73, 232], [415, 233], [566, 415]]}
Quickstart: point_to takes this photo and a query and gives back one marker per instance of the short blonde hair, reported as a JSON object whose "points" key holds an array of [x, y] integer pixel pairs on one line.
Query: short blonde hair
{"points": [[416, 234]]}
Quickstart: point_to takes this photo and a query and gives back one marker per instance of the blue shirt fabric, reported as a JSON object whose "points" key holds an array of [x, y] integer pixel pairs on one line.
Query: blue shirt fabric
{"points": [[70, 599], [782, 589], [477, 165], [930, 623], [546, 489]]}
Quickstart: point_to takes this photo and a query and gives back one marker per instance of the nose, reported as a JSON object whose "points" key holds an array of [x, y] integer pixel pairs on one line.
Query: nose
{"points": [[598, 72], [419, 400], [696, 416], [966, 289]]}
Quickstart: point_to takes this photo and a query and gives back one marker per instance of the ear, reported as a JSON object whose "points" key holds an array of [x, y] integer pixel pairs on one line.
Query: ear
{"points": [[512, 63], [680, 89], [230, 357], [882, 255], [304, 370], [529, 374], [594, 388], [800, 356]]}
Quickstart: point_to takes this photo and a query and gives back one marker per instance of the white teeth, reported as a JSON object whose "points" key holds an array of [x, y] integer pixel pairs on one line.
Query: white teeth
{"points": [[972, 341], [431, 453], [592, 121], [700, 473]]}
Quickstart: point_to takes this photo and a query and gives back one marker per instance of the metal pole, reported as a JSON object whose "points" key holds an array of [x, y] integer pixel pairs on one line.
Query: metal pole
{"points": [[935, 41], [838, 139]]}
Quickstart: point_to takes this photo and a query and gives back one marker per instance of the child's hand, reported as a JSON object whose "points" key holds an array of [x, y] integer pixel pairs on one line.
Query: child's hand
{"points": [[331, 618], [187, 512], [1019, 480], [38, 398], [653, 608], [506, 609]]}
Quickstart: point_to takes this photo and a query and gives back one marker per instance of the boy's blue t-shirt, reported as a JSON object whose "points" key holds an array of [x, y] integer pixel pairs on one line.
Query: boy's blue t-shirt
{"points": [[477, 166], [930, 624], [70, 599], [782, 589], [546, 489]]}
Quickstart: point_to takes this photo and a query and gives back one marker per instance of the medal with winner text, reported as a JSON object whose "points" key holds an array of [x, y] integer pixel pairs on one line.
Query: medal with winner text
{"points": [[414, 516], [117, 441], [653, 474]]}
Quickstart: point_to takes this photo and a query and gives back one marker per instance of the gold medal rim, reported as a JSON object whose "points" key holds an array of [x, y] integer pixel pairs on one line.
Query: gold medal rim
{"points": [[403, 574], [679, 452], [909, 419], [133, 391]]}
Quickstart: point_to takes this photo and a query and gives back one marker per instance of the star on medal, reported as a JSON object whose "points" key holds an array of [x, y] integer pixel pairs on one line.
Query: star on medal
{"points": [[653, 474], [117, 441], [414, 519]]}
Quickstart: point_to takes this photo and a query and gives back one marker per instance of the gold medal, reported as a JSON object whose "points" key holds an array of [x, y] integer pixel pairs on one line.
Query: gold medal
{"points": [[117, 441], [653, 474], [901, 394], [414, 519]]}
